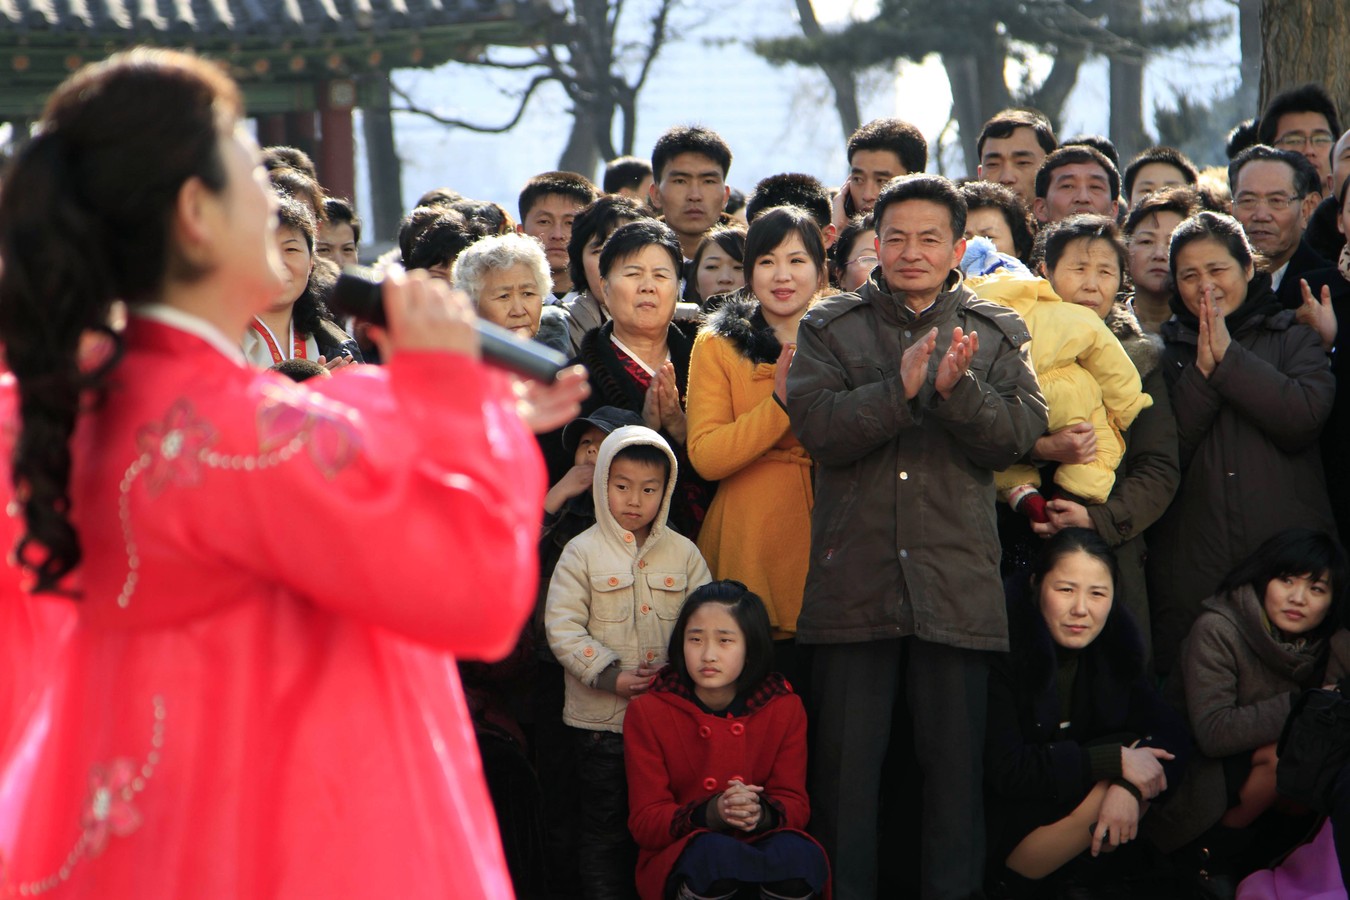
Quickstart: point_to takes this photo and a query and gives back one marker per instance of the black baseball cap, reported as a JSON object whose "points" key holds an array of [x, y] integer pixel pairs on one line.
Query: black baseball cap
{"points": [[606, 418]]}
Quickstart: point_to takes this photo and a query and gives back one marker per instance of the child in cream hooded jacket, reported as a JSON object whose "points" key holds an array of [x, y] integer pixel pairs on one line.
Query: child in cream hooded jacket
{"points": [[614, 598]]}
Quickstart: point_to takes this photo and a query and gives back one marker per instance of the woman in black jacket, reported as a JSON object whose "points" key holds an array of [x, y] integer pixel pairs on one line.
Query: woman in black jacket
{"points": [[1078, 744], [1251, 390]]}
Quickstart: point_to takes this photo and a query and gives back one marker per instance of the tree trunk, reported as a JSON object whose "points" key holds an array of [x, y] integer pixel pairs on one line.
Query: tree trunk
{"points": [[1249, 43], [582, 153], [978, 88], [1305, 40], [841, 77], [1127, 86], [386, 170], [1054, 92]]}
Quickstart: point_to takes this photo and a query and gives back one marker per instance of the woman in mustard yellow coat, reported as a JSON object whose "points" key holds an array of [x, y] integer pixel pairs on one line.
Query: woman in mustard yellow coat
{"points": [[758, 529]]}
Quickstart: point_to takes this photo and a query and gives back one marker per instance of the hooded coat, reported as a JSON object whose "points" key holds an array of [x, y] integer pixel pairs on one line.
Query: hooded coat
{"points": [[903, 538], [758, 528], [1251, 463], [679, 757], [611, 385], [1240, 682], [612, 602]]}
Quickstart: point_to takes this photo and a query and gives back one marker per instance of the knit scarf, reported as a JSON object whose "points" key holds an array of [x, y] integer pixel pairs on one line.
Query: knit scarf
{"points": [[1344, 264]]}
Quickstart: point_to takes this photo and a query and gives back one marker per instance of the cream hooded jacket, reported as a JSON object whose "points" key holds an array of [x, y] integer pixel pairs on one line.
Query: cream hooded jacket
{"points": [[613, 603]]}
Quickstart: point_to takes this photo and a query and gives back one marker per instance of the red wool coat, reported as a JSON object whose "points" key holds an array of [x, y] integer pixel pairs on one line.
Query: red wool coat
{"points": [[679, 756]]}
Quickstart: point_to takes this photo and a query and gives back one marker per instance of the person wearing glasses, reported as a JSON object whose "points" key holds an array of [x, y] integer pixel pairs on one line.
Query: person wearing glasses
{"points": [[1251, 391], [854, 254], [1303, 120], [1274, 192]]}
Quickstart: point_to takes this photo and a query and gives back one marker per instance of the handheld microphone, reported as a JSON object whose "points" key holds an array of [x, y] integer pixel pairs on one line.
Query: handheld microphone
{"points": [[357, 294]]}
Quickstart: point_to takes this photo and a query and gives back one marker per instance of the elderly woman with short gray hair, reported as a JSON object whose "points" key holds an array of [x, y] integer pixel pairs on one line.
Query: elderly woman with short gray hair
{"points": [[507, 277]]}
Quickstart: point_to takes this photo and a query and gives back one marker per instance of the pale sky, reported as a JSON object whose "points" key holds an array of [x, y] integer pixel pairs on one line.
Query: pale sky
{"points": [[774, 119]]}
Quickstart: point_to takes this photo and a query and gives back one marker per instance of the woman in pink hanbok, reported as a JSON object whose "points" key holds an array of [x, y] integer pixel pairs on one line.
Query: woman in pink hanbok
{"points": [[235, 604]]}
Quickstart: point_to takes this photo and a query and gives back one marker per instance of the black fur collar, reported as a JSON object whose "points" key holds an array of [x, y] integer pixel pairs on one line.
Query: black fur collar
{"points": [[740, 321], [1119, 648], [1144, 349]]}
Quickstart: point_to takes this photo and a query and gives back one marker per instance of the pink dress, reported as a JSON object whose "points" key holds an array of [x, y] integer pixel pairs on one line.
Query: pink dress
{"points": [[257, 695]]}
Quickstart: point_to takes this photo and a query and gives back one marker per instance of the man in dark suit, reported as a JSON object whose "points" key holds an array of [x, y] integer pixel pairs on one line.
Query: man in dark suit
{"points": [[1274, 192]]}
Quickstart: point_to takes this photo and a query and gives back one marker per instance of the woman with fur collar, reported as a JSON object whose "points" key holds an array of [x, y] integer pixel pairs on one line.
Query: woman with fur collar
{"points": [[758, 529], [1079, 745]]}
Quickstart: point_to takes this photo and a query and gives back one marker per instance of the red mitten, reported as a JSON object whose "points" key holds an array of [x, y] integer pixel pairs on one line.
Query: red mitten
{"points": [[1028, 501]]}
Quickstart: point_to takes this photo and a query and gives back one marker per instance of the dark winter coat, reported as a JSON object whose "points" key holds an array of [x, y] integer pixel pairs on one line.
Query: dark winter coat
{"points": [[903, 539], [1037, 772], [1238, 685], [1251, 463], [1304, 260], [1149, 473], [1336, 434], [612, 386]]}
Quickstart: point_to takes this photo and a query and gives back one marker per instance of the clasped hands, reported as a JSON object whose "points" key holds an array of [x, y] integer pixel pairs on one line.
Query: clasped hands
{"points": [[1214, 337], [955, 362], [661, 406], [739, 805]]}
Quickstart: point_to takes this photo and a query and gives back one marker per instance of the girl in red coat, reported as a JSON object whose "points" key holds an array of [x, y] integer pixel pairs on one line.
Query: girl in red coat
{"points": [[716, 756]]}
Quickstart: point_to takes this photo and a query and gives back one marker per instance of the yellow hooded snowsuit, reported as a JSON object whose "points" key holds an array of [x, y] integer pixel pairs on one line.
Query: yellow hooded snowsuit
{"points": [[1085, 376]]}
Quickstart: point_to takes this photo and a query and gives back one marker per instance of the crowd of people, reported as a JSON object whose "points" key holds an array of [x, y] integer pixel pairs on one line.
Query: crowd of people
{"points": [[912, 537]]}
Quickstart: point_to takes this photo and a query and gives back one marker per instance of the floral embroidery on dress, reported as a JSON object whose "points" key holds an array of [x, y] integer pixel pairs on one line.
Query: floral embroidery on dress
{"points": [[328, 433], [109, 811], [175, 447], [176, 450]]}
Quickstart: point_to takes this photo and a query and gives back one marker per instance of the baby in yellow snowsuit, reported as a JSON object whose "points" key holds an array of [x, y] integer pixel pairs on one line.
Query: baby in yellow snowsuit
{"points": [[1084, 373]]}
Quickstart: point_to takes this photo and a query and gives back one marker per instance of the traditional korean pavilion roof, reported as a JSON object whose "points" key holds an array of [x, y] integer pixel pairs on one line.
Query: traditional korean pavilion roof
{"points": [[274, 48]]}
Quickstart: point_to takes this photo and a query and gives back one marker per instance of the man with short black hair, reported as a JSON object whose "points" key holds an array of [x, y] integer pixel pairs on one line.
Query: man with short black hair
{"points": [[690, 164], [1303, 120], [1098, 142], [548, 204], [1240, 138], [339, 233], [793, 189], [628, 176], [1274, 192], [1011, 147], [907, 394], [1157, 168], [1324, 225], [878, 152], [1076, 179]]}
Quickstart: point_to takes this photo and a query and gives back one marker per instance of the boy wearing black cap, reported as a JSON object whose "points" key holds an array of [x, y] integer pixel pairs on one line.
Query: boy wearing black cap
{"points": [[569, 509]]}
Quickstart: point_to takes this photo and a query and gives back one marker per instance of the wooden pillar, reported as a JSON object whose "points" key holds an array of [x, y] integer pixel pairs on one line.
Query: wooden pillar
{"points": [[272, 130], [301, 132], [336, 158]]}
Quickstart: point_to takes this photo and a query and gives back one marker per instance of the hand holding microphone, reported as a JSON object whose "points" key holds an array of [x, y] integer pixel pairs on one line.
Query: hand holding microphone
{"points": [[422, 316]]}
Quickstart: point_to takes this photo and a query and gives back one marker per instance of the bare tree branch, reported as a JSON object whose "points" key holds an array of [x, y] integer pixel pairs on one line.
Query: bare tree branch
{"points": [[411, 107], [659, 22], [841, 78], [486, 63]]}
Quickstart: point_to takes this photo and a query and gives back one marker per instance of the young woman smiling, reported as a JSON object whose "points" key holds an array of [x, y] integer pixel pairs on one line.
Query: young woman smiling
{"points": [[758, 528]]}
